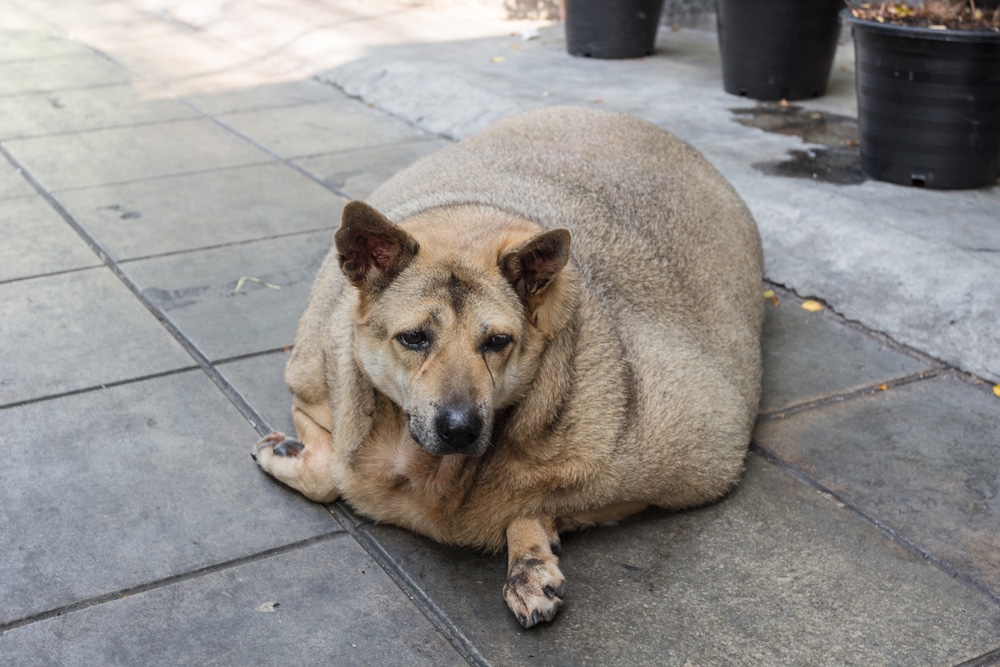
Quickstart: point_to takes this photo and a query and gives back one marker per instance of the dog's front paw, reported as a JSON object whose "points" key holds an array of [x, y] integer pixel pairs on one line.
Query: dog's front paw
{"points": [[275, 446], [534, 589], [306, 465]]}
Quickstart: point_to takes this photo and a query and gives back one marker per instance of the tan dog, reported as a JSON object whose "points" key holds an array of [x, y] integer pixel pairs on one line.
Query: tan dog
{"points": [[475, 381]]}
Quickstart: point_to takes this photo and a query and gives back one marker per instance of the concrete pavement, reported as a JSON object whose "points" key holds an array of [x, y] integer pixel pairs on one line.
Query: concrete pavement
{"points": [[171, 176]]}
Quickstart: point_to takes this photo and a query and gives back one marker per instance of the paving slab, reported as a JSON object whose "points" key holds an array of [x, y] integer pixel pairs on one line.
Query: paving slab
{"points": [[112, 489], [358, 172], [191, 211], [76, 330], [116, 155], [111, 27], [67, 14], [37, 241], [198, 291], [921, 458], [23, 43], [261, 380], [64, 72], [16, 19], [322, 127], [775, 574], [328, 603], [12, 183], [809, 356], [192, 55], [261, 28], [251, 88], [85, 109]]}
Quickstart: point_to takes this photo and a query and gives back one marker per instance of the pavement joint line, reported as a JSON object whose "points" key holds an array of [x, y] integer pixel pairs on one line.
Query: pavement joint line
{"points": [[867, 390], [256, 420], [405, 142], [182, 99], [437, 616], [50, 274], [53, 91], [98, 387], [87, 130], [256, 144], [128, 181], [336, 86], [885, 529], [252, 355], [984, 660], [230, 244], [170, 580]]}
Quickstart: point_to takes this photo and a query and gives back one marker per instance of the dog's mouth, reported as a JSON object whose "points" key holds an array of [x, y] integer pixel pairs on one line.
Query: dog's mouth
{"points": [[452, 428]]}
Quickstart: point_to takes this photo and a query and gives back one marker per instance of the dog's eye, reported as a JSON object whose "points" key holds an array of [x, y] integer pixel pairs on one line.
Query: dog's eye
{"points": [[414, 340], [496, 343]]}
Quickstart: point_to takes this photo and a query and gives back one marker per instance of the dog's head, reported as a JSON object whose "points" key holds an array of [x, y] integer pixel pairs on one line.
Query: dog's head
{"points": [[448, 326]]}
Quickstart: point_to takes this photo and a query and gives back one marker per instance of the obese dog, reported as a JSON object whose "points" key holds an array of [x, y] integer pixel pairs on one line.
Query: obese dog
{"points": [[467, 371]]}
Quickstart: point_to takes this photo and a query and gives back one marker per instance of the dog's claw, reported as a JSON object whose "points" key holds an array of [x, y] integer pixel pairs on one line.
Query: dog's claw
{"points": [[267, 441], [288, 447], [280, 444], [533, 590]]}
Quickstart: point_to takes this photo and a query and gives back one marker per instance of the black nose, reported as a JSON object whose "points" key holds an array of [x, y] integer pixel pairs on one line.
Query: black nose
{"points": [[458, 425]]}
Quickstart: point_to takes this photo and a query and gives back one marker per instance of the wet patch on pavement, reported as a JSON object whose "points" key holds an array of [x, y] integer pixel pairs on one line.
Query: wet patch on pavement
{"points": [[835, 158]]}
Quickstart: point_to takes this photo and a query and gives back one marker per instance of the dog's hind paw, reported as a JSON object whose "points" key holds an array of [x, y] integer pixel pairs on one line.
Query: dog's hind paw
{"points": [[534, 589], [279, 444]]}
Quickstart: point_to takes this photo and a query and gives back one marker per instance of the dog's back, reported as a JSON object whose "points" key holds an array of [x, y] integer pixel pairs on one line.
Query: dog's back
{"points": [[668, 255]]}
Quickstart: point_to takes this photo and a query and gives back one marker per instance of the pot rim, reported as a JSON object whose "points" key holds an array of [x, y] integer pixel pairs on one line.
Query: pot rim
{"points": [[919, 32]]}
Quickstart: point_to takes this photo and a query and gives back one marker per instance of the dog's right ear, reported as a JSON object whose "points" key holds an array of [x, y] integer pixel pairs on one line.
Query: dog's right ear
{"points": [[371, 250]]}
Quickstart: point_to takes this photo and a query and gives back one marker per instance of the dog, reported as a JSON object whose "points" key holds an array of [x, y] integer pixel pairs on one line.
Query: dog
{"points": [[551, 325]]}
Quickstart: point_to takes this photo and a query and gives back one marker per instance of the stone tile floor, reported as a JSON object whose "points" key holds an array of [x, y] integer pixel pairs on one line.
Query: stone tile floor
{"points": [[157, 250]]}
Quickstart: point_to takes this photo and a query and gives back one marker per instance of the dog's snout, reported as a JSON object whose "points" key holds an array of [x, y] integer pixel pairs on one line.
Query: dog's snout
{"points": [[459, 425]]}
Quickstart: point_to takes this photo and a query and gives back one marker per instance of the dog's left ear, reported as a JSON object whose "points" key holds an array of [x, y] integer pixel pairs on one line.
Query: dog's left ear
{"points": [[531, 266], [372, 250]]}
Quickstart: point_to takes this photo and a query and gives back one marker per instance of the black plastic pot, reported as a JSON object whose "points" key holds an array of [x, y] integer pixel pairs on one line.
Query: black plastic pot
{"points": [[777, 49], [928, 104], [611, 28]]}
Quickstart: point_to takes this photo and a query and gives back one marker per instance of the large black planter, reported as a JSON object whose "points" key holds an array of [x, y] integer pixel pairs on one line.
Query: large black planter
{"points": [[928, 104], [611, 28], [777, 49]]}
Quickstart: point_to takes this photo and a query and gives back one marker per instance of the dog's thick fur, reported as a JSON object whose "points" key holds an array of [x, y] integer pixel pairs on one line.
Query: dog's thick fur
{"points": [[461, 373]]}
